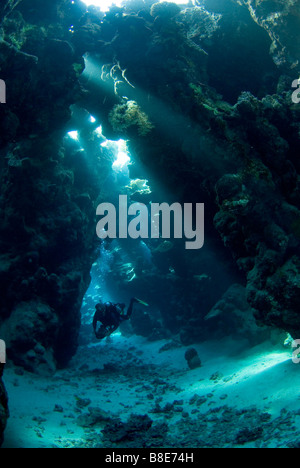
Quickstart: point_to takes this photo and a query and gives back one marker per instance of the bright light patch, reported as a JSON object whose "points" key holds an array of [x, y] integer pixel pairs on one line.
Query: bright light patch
{"points": [[98, 130], [92, 119], [74, 135], [122, 157], [264, 363], [122, 160], [179, 2], [92, 70], [105, 4]]}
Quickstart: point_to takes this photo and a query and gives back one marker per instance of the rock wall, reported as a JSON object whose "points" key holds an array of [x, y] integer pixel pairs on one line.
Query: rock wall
{"points": [[281, 19], [47, 212]]}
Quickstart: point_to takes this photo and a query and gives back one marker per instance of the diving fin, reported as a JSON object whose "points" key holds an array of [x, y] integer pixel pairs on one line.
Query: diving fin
{"points": [[142, 302]]}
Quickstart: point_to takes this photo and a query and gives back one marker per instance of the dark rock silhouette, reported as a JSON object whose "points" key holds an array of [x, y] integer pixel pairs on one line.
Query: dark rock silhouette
{"points": [[223, 132]]}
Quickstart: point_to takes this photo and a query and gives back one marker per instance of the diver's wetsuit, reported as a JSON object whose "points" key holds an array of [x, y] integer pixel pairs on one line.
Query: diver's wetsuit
{"points": [[110, 316]]}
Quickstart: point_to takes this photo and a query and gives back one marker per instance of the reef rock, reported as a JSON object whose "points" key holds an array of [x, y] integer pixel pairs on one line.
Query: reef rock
{"points": [[192, 358], [46, 246], [232, 315]]}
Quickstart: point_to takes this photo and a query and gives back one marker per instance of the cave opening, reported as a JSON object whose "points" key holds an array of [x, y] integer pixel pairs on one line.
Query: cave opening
{"points": [[159, 102], [123, 145]]}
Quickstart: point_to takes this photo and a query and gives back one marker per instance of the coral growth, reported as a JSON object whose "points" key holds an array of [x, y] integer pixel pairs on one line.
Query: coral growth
{"points": [[127, 115]]}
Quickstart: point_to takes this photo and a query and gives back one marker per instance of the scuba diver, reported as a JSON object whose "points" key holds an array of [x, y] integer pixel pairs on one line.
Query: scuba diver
{"points": [[111, 316]]}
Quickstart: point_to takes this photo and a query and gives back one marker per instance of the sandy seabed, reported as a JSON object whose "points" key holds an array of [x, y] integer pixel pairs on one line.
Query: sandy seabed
{"points": [[129, 392]]}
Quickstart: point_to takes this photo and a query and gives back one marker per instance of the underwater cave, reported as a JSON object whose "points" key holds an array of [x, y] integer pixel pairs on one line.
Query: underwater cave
{"points": [[171, 322]]}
